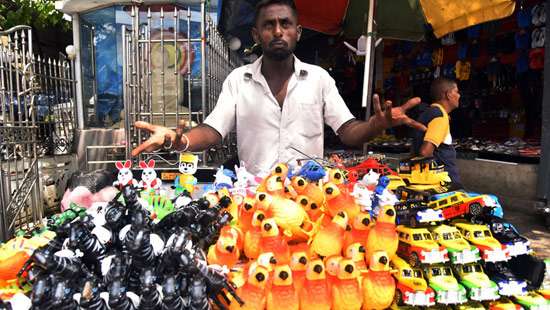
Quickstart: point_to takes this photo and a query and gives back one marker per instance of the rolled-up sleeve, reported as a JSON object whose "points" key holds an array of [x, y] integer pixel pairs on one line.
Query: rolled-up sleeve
{"points": [[336, 112], [222, 118]]}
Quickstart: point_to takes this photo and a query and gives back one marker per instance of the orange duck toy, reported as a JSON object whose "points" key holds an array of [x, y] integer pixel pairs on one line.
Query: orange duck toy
{"points": [[315, 293], [330, 239], [298, 262], [246, 211], [336, 176], [346, 292], [313, 210], [253, 292], [292, 219], [225, 252], [332, 265], [272, 241], [378, 284], [356, 252], [340, 200], [382, 236], [282, 294], [360, 226], [253, 236]]}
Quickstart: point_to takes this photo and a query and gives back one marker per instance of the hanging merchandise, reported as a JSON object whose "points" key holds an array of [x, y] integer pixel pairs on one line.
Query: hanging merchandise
{"points": [[437, 57], [538, 15], [448, 39], [462, 70], [538, 37], [536, 59]]}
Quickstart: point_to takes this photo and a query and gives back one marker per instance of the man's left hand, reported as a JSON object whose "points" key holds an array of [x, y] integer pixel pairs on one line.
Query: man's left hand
{"points": [[391, 117]]}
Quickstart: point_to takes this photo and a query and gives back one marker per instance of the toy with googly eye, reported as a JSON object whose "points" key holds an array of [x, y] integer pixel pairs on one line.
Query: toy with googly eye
{"points": [[187, 167]]}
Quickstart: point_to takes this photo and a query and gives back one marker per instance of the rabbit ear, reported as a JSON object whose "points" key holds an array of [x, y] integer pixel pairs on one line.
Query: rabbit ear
{"points": [[151, 163], [128, 164], [119, 165], [142, 164]]}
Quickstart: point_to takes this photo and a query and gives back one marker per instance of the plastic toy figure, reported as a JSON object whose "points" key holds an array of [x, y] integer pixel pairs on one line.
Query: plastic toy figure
{"points": [[223, 178], [330, 239], [479, 235], [508, 235], [411, 288], [356, 252], [298, 262], [186, 181], [532, 300], [272, 241], [332, 265], [418, 247], [508, 283], [478, 284], [346, 291], [360, 227], [253, 292], [149, 181], [340, 200], [382, 236], [448, 290], [378, 284], [253, 236], [282, 294], [459, 250], [315, 293], [457, 204], [370, 180], [312, 171], [225, 251], [125, 176]]}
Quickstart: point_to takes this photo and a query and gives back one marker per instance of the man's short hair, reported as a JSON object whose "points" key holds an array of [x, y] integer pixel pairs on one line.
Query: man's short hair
{"points": [[265, 3], [440, 87]]}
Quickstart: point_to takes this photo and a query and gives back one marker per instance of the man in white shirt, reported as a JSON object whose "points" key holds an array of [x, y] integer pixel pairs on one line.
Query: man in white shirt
{"points": [[278, 104]]}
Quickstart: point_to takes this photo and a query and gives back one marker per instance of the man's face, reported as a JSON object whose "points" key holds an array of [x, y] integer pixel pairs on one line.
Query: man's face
{"points": [[453, 96], [277, 31]]}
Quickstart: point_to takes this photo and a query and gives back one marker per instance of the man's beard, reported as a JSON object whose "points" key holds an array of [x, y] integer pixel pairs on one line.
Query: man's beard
{"points": [[278, 54]]}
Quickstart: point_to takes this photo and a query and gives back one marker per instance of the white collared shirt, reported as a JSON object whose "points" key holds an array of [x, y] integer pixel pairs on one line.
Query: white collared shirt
{"points": [[265, 132]]}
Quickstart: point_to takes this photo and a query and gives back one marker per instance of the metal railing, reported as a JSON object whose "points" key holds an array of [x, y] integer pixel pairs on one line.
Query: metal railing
{"points": [[36, 118], [161, 84]]}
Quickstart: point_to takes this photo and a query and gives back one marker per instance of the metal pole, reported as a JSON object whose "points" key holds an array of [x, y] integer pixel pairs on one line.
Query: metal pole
{"points": [[78, 72], [203, 66], [543, 186], [369, 57]]}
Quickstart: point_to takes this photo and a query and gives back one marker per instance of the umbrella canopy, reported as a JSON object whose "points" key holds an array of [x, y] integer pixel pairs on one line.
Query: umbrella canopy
{"points": [[398, 19]]}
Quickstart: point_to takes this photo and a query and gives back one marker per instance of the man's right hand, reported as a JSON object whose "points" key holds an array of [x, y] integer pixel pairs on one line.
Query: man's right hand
{"points": [[160, 136]]}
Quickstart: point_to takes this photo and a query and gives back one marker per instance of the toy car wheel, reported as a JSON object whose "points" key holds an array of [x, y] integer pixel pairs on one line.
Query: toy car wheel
{"points": [[398, 298], [414, 260], [475, 209]]}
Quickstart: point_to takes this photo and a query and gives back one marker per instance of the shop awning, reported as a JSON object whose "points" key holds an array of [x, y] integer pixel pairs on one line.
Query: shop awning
{"points": [[398, 19]]}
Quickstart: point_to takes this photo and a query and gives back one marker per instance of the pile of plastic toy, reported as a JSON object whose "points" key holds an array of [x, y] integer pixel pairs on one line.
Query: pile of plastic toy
{"points": [[339, 238], [118, 256], [319, 236]]}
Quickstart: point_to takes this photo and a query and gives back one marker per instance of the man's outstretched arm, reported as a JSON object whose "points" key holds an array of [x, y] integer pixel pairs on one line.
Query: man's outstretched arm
{"points": [[355, 132], [199, 138]]}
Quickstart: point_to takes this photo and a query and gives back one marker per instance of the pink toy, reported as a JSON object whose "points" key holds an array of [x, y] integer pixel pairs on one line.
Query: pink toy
{"points": [[125, 175], [149, 180]]}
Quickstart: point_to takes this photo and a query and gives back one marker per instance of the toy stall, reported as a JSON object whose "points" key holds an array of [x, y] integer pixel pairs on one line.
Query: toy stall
{"points": [[161, 232], [329, 234]]}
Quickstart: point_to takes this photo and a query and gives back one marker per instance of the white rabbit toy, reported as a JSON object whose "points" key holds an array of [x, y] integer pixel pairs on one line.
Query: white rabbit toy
{"points": [[125, 175], [149, 180]]}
